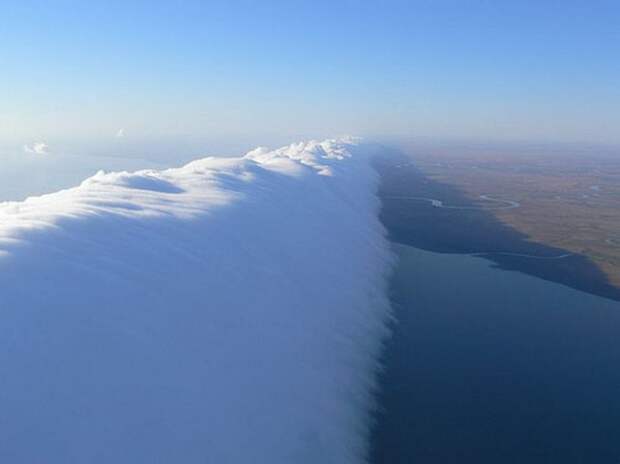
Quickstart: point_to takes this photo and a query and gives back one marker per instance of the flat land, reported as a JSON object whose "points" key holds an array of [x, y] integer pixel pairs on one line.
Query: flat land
{"points": [[569, 201]]}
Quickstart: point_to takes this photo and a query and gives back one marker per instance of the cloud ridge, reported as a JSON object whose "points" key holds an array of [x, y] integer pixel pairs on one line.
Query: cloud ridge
{"points": [[230, 310]]}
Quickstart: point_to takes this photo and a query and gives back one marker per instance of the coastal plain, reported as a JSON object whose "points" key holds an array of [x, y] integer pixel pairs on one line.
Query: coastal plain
{"points": [[568, 200]]}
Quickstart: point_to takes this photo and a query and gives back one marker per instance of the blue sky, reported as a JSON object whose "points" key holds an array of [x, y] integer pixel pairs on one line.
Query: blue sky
{"points": [[525, 70]]}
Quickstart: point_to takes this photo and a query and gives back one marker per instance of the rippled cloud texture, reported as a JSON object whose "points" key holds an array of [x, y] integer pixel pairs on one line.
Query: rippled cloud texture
{"points": [[230, 310]]}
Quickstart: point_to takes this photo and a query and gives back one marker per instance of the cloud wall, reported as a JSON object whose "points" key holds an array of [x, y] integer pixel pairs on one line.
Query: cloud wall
{"points": [[231, 310]]}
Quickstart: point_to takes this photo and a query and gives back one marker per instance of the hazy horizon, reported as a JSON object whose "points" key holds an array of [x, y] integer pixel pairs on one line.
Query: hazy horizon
{"points": [[283, 71]]}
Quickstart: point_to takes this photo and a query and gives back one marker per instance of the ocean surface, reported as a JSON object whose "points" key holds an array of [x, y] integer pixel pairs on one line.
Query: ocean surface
{"points": [[23, 175], [494, 366]]}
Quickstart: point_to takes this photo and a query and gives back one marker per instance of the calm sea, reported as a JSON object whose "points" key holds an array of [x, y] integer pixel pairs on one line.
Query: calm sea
{"points": [[495, 366]]}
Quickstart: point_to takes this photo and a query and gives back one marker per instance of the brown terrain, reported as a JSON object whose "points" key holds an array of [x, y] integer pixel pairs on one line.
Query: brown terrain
{"points": [[567, 200]]}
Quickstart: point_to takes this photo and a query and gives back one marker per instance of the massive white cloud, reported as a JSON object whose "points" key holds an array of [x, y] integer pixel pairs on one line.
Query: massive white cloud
{"points": [[227, 311]]}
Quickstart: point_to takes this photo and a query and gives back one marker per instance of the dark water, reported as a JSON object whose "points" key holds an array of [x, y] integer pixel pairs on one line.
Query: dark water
{"points": [[494, 359], [495, 366]]}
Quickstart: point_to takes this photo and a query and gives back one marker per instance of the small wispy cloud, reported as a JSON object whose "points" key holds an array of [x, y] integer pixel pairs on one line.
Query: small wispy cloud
{"points": [[120, 133], [37, 148]]}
